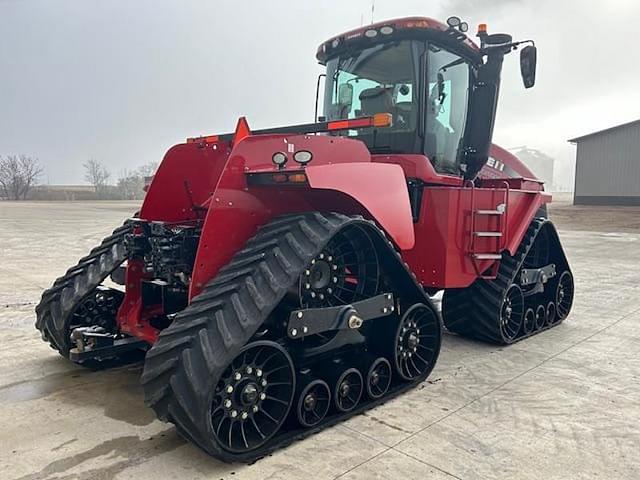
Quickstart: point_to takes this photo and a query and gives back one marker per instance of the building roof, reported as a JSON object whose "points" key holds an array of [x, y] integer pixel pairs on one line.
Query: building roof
{"points": [[606, 130]]}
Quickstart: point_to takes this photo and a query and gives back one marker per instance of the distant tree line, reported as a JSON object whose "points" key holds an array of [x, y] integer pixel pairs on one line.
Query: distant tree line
{"points": [[129, 184], [20, 174]]}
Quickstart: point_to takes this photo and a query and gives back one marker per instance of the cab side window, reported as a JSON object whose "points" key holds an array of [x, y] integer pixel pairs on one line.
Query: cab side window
{"points": [[447, 103]]}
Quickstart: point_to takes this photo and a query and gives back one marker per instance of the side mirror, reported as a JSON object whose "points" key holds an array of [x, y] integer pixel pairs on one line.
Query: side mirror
{"points": [[528, 56], [345, 94]]}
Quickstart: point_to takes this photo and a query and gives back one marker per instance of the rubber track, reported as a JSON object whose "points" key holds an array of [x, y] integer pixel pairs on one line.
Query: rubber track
{"points": [[59, 301], [183, 367], [475, 311]]}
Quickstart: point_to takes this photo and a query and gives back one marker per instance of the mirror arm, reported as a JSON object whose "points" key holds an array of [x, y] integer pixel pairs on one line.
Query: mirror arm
{"points": [[315, 113]]}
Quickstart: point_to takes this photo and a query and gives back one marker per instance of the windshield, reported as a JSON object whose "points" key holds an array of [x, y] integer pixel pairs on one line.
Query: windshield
{"points": [[380, 79]]}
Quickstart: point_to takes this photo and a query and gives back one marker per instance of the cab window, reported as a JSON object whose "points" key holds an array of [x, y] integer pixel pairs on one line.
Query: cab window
{"points": [[447, 103]]}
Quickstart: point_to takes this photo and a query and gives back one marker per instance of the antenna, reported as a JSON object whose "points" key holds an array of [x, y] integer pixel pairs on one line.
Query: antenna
{"points": [[373, 8]]}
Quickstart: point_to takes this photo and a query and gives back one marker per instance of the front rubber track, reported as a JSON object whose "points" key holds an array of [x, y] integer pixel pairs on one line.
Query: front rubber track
{"points": [[185, 364], [58, 302], [475, 311]]}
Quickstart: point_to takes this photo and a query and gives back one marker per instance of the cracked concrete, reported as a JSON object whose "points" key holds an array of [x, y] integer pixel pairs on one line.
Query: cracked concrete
{"points": [[564, 404]]}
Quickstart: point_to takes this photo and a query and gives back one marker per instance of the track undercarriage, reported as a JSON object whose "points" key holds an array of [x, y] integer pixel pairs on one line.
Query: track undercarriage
{"points": [[533, 291], [316, 319]]}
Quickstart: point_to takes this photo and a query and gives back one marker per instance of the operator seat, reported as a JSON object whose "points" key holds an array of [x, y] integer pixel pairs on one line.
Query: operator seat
{"points": [[376, 100]]}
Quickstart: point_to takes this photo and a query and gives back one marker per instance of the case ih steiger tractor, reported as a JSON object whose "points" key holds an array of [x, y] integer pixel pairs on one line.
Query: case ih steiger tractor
{"points": [[280, 279]]}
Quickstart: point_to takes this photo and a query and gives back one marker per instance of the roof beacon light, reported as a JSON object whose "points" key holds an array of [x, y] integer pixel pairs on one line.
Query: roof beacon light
{"points": [[482, 28]]}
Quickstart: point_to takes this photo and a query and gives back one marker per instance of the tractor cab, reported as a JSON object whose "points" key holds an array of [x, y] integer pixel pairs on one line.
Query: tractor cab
{"points": [[439, 87]]}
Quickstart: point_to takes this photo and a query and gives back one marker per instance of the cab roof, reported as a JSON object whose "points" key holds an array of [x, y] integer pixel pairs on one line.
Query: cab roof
{"points": [[416, 26]]}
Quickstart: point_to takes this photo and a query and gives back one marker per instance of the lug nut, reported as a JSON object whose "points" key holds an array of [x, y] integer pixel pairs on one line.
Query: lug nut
{"points": [[307, 286], [321, 256], [313, 294], [307, 272], [258, 372], [249, 370], [255, 408], [294, 332], [305, 329], [227, 403], [264, 382], [335, 279], [234, 413], [313, 262], [329, 258], [244, 415], [335, 267], [237, 376], [229, 389], [263, 396], [321, 296], [300, 315], [385, 310], [329, 291]]}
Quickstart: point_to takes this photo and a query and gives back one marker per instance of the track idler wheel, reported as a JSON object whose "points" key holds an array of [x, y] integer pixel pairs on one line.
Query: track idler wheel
{"points": [[541, 317], [417, 342], [529, 323], [512, 313], [564, 295], [313, 403], [378, 378], [348, 390], [253, 397]]}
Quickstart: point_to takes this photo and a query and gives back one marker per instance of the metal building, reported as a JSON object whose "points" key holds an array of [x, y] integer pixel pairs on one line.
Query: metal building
{"points": [[608, 166]]}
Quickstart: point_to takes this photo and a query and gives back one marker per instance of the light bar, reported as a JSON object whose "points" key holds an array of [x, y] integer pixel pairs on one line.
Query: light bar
{"points": [[379, 120]]}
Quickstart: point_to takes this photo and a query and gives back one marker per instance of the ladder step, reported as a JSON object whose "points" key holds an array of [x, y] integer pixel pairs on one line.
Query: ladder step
{"points": [[487, 256], [487, 234], [489, 212]]}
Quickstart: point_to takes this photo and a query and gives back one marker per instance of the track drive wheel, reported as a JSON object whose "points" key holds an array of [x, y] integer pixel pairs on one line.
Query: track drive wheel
{"points": [[253, 397]]}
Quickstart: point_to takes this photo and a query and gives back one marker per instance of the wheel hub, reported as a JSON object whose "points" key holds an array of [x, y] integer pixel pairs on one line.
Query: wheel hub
{"points": [[345, 389], [320, 275], [249, 394], [375, 378], [310, 402]]}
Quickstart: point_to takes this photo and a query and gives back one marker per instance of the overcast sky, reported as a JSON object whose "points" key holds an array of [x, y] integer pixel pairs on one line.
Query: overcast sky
{"points": [[123, 80]]}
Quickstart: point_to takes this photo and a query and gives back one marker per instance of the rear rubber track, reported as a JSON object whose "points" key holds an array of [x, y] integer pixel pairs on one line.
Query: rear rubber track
{"points": [[184, 366], [474, 311], [59, 301]]}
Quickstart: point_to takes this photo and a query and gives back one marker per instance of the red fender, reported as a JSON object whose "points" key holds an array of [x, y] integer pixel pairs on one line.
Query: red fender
{"points": [[380, 188]]}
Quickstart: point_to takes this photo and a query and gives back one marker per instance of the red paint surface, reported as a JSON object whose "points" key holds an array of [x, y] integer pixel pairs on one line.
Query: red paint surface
{"points": [[207, 182]]}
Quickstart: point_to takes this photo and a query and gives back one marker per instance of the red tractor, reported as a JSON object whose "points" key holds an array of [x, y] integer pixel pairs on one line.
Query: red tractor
{"points": [[281, 280]]}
